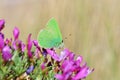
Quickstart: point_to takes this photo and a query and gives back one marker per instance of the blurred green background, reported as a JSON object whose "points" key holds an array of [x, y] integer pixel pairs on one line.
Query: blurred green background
{"points": [[90, 28]]}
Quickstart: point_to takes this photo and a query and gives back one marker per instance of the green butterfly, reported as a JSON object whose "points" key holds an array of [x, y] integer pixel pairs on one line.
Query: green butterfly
{"points": [[50, 37]]}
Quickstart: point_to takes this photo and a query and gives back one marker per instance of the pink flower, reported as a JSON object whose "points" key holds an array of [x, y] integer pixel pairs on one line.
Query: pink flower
{"points": [[1, 42], [29, 46], [16, 33], [2, 23], [71, 69], [55, 56], [83, 73], [6, 53], [36, 45], [42, 66]]}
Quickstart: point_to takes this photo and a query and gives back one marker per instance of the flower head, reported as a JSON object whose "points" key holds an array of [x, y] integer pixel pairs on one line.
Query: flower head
{"points": [[71, 69], [6, 53], [16, 33]]}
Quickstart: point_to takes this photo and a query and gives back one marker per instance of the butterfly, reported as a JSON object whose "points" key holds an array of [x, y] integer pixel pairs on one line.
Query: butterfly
{"points": [[50, 36]]}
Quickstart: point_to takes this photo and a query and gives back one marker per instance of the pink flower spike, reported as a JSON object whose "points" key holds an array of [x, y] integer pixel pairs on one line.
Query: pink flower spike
{"points": [[29, 46], [2, 24], [29, 42], [16, 33], [1, 42]]}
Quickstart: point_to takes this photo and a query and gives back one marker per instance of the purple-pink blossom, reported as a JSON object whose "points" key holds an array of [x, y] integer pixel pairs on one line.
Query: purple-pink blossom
{"points": [[36, 45], [17, 44], [16, 33], [70, 67], [42, 66], [2, 24], [29, 46], [57, 57], [1, 42], [6, 53], [83, 72]]}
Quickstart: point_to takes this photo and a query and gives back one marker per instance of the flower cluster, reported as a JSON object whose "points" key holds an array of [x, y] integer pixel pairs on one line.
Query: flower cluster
{"points": [[22, 61], [68, 67], [16, 57]]}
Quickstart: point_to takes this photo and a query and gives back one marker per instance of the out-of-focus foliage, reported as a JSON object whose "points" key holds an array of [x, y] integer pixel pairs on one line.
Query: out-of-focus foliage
{"points": [[89, 27]]}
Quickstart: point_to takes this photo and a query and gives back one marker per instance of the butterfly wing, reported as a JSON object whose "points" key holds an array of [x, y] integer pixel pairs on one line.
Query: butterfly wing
{"points": [[50, 36]]}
